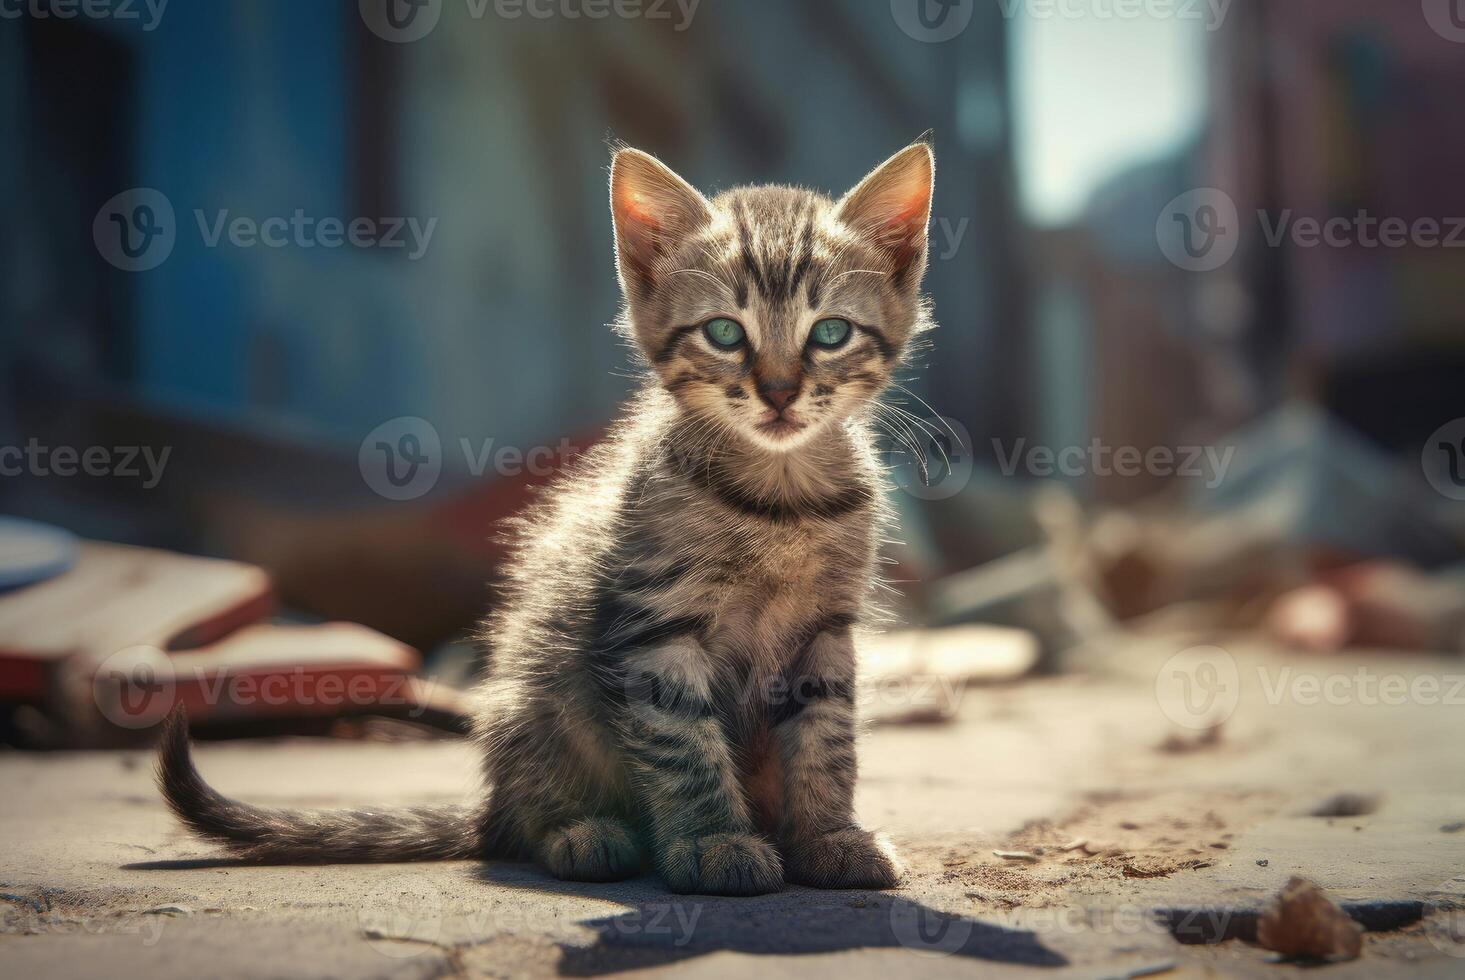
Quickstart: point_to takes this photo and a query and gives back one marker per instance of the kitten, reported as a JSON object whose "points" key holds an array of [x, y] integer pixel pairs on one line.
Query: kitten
{"points": [[672, 670]]}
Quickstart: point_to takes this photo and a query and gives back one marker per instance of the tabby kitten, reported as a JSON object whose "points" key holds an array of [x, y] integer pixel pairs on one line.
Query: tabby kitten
{"points": [[672, 670]]}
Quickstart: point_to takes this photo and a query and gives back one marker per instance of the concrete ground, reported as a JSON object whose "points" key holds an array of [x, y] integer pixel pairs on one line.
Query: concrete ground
{"points": [[1138, 818]]}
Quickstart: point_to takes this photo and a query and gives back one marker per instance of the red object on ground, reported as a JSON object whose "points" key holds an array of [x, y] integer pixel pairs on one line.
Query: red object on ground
{"points": [[112, 645]]}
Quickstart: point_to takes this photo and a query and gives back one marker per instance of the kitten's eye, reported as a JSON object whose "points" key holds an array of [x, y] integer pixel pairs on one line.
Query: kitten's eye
{"points": [[830, 333], [723, 332]]}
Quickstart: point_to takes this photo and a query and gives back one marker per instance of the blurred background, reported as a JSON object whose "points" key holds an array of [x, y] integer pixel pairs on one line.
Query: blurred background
{"points": [[323, 289]]}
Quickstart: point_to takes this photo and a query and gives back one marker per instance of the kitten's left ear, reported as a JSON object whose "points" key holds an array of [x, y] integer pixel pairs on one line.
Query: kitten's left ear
{"points": [[654, 210], [892, 206]]}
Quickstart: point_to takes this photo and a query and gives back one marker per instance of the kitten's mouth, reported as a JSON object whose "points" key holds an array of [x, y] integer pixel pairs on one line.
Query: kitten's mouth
{"points": [[781, 427]]}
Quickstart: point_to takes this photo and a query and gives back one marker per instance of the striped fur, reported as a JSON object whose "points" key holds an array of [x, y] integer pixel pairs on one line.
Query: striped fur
{"points": [[671, 675]]}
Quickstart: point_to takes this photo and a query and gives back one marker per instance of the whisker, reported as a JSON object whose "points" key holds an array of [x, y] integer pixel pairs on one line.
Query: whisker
{"points": [[927, 406], [857, 272], [705, 275]]}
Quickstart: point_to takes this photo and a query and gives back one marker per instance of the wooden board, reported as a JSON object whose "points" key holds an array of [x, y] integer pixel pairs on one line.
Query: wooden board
{"points": [[261, 672], [117, 597]]}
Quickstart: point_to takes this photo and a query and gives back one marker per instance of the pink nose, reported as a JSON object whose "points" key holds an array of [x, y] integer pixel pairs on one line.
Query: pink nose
{"points": [[779, 395]]}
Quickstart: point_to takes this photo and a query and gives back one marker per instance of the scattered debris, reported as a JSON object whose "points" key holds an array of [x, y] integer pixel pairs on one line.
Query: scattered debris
{"points": [[1347, 805], [1183, 744], [31, 903], [1027, 856], [1208, 925], [920, 715], [1161, 869], [1153, 970], [1000, 901], [1303, 923]]}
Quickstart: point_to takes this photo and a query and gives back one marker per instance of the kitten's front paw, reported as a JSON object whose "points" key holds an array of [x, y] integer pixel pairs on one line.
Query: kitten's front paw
{"points": [[849, 858], [593, 849], [723, 864]]}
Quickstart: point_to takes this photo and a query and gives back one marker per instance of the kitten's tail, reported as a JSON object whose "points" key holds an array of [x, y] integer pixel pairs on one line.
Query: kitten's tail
{"points": [[307, 837]]}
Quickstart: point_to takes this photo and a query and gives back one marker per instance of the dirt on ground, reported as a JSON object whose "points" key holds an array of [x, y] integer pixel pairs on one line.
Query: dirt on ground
{"points": [[1060, 827]]}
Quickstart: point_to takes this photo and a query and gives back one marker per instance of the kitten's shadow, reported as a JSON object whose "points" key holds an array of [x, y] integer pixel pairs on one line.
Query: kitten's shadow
{"points": [[661, 927], [189, 864]]}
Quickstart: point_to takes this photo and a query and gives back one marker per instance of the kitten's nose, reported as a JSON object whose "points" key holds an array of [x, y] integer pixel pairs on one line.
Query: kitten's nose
{"points": [[778, 393]]}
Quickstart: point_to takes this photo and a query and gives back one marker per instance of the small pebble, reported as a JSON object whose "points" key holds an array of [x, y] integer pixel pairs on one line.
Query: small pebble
{"points": [[1262, 862], [1016, 856]]}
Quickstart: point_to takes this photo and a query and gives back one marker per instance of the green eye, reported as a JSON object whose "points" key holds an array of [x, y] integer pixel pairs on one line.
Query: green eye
{"points": [[724, 332], [831, 332]]}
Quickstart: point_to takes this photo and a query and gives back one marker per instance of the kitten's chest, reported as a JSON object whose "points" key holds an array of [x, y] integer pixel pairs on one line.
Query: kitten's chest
{"points": [[770, 586]]}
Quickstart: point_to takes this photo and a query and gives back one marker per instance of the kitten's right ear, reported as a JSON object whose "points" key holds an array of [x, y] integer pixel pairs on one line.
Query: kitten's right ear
{"points": [[654, 210], [892, 205]]}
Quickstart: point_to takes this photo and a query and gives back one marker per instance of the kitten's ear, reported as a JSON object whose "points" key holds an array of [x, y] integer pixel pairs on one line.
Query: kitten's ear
{"points": [[654, 210], [892, 206]]}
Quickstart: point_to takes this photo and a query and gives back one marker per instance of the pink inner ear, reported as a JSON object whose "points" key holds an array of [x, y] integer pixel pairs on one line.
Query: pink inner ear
{"points": [[634, 206], [907, 216]]}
